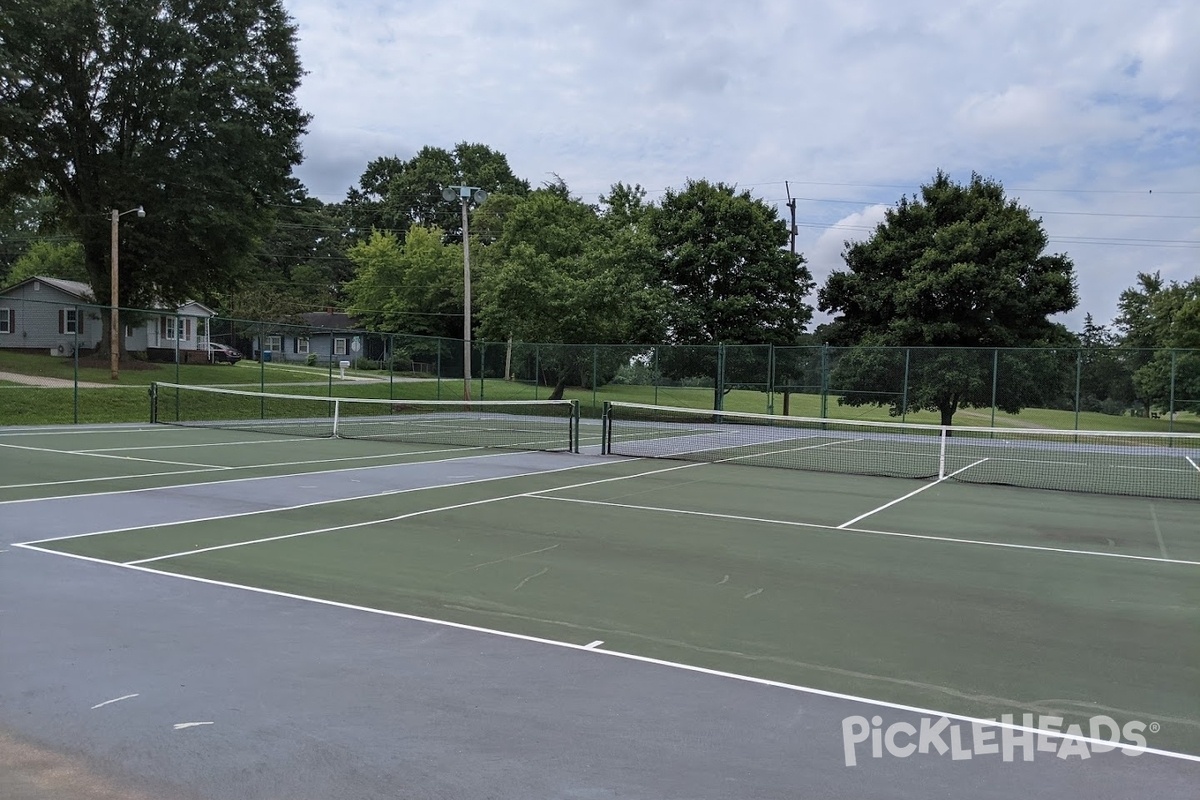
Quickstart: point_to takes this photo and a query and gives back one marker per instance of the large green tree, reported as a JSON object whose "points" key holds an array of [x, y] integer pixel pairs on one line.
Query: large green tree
{"points": [[52, 259], [411, 286], [394, 194], [185, 107], [566, 272], [958, 266], [1161, 326], [722, 254]]}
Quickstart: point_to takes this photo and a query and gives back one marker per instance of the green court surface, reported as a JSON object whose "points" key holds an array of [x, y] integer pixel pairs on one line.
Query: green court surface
{"points": [[971, 599]]}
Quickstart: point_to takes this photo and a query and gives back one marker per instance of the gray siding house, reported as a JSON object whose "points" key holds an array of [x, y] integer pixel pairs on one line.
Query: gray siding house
{"points": [[56, 316]]}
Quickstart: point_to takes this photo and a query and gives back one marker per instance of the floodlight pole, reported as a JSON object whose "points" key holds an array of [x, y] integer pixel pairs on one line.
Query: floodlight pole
{"points": [[466, 305], [465, 195], [114, 327]]}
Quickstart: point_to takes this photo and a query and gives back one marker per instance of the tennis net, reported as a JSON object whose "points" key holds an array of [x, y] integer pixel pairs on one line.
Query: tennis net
{"points": [[514, 424], [1128, 463]]}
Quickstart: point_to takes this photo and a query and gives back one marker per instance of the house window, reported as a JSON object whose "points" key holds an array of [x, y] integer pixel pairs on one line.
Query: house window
{"points": [[300, 344], [7, 323], [128, 331], [185, 329], [169, 328], [339, 347], [275, 343], [67, 320]]}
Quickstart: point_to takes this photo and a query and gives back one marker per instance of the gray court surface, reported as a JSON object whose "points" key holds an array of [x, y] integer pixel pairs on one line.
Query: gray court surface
{"points": [[303, 700]]}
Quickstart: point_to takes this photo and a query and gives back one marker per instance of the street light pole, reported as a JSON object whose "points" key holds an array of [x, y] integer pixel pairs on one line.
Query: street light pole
{"points": [[466, 195], [114, 328]]}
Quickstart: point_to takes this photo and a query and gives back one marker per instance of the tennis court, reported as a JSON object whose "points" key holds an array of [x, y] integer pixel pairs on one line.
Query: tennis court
{"points": [[687, 550]]}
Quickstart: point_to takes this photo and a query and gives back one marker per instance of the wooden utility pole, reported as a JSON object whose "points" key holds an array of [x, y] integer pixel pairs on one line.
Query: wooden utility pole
{"points": [[792, 231]]}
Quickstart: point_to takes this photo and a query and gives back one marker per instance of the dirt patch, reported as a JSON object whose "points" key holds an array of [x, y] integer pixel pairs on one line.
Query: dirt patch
{"points": [[30, 772]]}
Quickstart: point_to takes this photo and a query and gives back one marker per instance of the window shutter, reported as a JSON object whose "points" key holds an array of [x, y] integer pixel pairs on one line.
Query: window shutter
{"points": [[162, 327], [187, 328], [62, 321]]}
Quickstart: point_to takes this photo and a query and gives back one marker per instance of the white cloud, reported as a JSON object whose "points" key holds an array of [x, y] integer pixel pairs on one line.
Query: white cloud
{"points": [[1063, 96]]}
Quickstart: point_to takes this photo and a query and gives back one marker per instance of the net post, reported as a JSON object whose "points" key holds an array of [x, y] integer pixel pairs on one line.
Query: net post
{"points": [[574, 426], [336, 409], [606, 429], [943, 435], [153, 402]]}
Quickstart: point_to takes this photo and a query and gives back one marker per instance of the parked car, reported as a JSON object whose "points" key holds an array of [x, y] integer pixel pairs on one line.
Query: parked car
{"points": [[223, 354]]}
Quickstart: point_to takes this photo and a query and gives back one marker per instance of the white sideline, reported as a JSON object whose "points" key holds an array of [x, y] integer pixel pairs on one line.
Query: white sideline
{"points": [[411, 514], [282, 509], [873, 532], [910, 494], [593, 647]]}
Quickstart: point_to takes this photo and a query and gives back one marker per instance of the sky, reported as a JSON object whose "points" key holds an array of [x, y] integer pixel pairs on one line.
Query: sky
{"points": [[1088, 112]]}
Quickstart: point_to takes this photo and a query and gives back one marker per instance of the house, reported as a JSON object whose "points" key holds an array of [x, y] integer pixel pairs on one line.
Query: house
{"points": [[42, 314], [330, 336], [52, 315]]}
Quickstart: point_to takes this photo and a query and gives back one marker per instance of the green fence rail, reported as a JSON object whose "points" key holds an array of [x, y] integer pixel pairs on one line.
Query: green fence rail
{"points": [[53, 369]]}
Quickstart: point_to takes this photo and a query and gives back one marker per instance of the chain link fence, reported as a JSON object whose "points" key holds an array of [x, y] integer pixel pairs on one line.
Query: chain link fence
{"points": [[55, 368]]}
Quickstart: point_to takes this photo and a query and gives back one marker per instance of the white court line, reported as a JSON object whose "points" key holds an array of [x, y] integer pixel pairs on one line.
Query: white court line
{"points": [[239, 480], [182, 725], [106, 455], [281, 509], [81, 430], [1193, 463], [840, 528], [276, 440], [910, 494], [409, 515], [658, 662], [114, 700]]}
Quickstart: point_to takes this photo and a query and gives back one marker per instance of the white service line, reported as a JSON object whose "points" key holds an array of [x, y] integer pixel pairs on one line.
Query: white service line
{"points": [[1193, 463], [594, 648], [179, 726], [910, 494], [280, 509], [276, 440], [409, 515], [106, 455], [246, 466], [871, 531]]}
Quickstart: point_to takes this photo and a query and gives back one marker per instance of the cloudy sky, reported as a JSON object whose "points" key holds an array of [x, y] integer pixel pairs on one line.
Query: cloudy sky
{"points": [[1088, 112]]}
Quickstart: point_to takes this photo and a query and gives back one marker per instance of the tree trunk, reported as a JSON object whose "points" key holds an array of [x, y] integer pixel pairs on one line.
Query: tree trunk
{"points": [[559, 388]]}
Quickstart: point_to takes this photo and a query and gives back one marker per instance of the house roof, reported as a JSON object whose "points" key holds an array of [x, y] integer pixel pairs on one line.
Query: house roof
{"points": [[329, 319], [75, 289]]}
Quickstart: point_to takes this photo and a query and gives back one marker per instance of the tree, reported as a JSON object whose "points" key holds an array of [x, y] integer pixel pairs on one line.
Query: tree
{"points": [[569, 273], [51, 259], [187, 109], [1161, 326], [414, 286], [722, 255], [1105, 375], [960, 266], [394, 195]]}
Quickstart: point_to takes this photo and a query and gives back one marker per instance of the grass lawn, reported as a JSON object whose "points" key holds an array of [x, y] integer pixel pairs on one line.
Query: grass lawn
{"points": [[126, 400]]}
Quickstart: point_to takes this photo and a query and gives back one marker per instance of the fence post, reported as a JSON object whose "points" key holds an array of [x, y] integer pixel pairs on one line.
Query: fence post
{"points": [[178, 337], [75, 354], [1171, 406], [771, 379], [537, 369], [329, 372], [995, 370], [595, 373], [904, 394], [439, 368], [390, 355], [719, 385], [1079, 372], [824, 381], [654, 372]]}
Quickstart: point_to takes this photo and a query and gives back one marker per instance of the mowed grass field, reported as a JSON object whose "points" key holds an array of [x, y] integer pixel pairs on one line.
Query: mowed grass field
{"points": [[126, 400]]}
